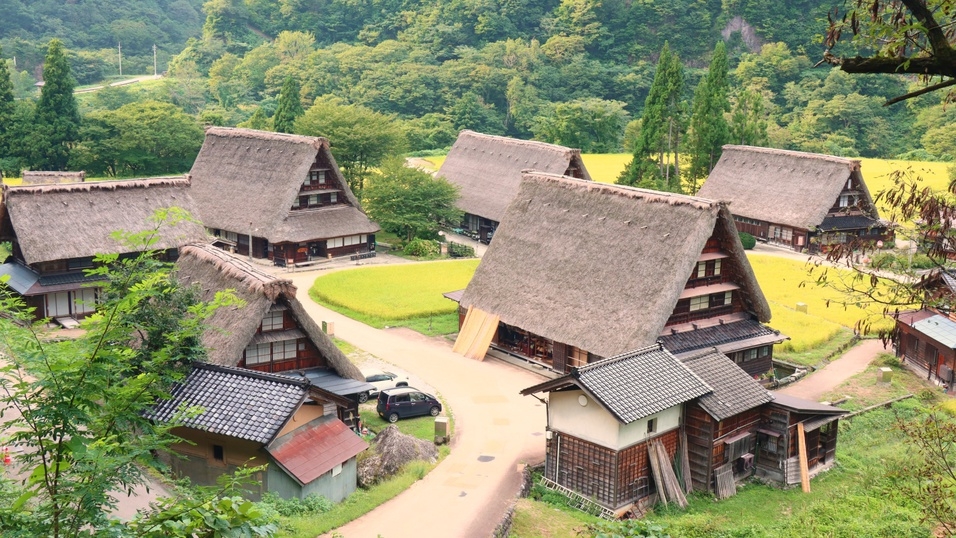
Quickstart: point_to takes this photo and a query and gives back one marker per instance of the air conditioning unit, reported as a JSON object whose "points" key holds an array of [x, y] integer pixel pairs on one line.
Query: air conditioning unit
{"points": [[946, 373], [745, 463]]}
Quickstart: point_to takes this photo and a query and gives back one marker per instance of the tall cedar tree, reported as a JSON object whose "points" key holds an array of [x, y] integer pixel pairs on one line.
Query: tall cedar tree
{"points": [[655, 164], [748, 126], [708, 127], [290, 107], [6, 108], [57, 117]]}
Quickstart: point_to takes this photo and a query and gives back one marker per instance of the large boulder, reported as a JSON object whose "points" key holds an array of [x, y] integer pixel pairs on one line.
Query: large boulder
{"points": [[390, 451]]}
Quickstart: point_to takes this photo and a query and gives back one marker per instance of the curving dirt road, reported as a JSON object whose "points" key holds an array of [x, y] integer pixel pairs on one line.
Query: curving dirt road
{"points": [[496, 432]]}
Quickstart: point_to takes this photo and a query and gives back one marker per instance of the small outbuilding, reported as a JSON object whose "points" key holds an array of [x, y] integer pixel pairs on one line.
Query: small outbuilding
{"points": [[246, 418]]}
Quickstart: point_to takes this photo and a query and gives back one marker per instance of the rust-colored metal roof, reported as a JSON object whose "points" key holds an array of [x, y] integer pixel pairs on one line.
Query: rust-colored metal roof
{"points": [[308, 452]]}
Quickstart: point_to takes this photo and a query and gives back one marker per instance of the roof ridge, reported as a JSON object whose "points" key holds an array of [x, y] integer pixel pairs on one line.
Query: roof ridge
{"points": [[90, 186], [793, 153], [254, 374], [253, 134], [647, 195], [518, 142], [255, 279], [619, 357]]}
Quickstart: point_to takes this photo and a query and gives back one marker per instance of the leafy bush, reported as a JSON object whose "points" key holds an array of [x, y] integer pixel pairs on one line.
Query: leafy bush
{"points": [[459, 250], [312, 504], [422, 248], [887, 359], [748, 240], [922, 261]]}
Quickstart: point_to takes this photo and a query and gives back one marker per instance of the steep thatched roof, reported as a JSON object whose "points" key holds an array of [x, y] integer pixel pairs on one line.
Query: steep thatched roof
{"points": [[247, 181], [780, 186], [488, 169], [232, 328], [76, 220], [36, 177], [600, 267]]}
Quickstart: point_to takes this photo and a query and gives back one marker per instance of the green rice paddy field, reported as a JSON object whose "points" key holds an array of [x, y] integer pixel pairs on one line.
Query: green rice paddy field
{"points": [[411, 295]]}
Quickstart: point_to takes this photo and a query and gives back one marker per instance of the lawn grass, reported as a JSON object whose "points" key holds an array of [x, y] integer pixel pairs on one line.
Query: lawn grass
{"points": [[814, 356], [865, 389], [398, 295], [420, 427]]}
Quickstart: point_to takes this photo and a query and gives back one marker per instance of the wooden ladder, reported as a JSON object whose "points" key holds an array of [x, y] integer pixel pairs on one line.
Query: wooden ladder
{"points": [[578, 501]]}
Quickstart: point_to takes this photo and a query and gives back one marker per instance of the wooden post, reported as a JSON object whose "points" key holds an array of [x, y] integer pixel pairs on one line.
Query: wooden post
{"points": [[656, 471], [804, 468], [685, 463]]}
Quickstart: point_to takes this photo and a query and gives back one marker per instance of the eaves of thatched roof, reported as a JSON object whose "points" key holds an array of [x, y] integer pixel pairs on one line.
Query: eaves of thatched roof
{"points": [[488, 169], [77, 220], [232, 328], [247, 181], [779, 186], [600, 267]]}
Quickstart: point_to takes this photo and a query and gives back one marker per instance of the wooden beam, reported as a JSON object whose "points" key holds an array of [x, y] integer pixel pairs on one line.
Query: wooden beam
{"points": [[656, 471], [804, 468], [685, 462]]}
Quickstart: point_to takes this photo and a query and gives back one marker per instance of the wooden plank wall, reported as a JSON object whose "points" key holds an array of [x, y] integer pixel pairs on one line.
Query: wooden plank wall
{"points": [[700, 434]]}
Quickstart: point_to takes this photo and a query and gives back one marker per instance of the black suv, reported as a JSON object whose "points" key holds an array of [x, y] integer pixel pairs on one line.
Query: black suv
{"points": [[404, 402]]}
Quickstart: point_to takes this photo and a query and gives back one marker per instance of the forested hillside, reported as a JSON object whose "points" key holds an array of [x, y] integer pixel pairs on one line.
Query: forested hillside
{"points": [[573, 72]]}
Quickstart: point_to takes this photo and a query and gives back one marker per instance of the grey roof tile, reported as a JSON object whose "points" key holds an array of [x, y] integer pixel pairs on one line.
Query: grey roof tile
{"points": [[639, 383], [712, 336], [235, 402], [733, 390]]}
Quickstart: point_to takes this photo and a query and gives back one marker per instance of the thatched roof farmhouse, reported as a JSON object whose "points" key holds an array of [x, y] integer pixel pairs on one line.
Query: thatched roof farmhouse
{"points": [[488, 169], [285, 191], [800, 200], [56, 230], [581, 270]]}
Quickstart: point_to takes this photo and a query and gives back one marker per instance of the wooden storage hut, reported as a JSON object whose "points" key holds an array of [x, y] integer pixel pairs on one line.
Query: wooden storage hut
{"points": [[602, 416], [581, 270], [56, 231], [271, 331], [721, 425], [251, 418], [487, 170], [804, 201], [281, 194], [926, 339], [778, 456]]}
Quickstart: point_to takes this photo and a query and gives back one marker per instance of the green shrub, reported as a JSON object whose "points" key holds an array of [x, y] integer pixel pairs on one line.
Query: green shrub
{"points": [[922, 261], [458, 250], [887, 359], [628, 528], [748, 240], [422, 248], [312, 504]]}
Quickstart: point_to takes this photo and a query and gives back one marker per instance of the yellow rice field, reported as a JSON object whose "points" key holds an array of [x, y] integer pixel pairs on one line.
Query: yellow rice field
{"points": [[396, 292], [781, 278]]}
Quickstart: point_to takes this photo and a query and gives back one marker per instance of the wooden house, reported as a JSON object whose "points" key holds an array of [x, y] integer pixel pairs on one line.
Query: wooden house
{"points": [[721, 426], [280, 195], [271, 331], [777, 456], [601, 417], [255, 418], [56, 230], [487, 170], [580, 271], [926, 339], [804, 201]]}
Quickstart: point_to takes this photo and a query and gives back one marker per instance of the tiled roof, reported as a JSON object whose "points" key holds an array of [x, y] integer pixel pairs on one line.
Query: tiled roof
{"points": [[715, 335], [235, 402], [639, 383], [733, 390], [800, 405], [848, 222], [327, 379], [308, 452]]}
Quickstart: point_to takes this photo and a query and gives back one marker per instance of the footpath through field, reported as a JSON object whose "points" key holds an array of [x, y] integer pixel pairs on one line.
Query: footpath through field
{"points": [[824, 380], [496, 431]]}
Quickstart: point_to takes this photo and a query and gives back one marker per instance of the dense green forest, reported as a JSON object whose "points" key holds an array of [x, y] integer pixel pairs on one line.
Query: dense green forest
{"points": [[573, 72]]}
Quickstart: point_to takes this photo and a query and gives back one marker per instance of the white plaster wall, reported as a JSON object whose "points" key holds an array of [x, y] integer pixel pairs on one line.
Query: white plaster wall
{"points": [[596, 424]]}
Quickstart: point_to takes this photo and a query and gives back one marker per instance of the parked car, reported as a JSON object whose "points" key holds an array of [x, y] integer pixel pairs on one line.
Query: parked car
{"points": [[381, 380], [404, 402]]}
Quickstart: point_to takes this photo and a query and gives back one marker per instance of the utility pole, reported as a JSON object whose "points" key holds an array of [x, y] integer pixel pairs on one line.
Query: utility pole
{"points": [[119, 46], [154, 59]]}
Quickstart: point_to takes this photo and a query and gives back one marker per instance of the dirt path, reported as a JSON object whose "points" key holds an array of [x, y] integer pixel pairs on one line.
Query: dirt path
{"points": [[824, 380], [496, 431]]}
